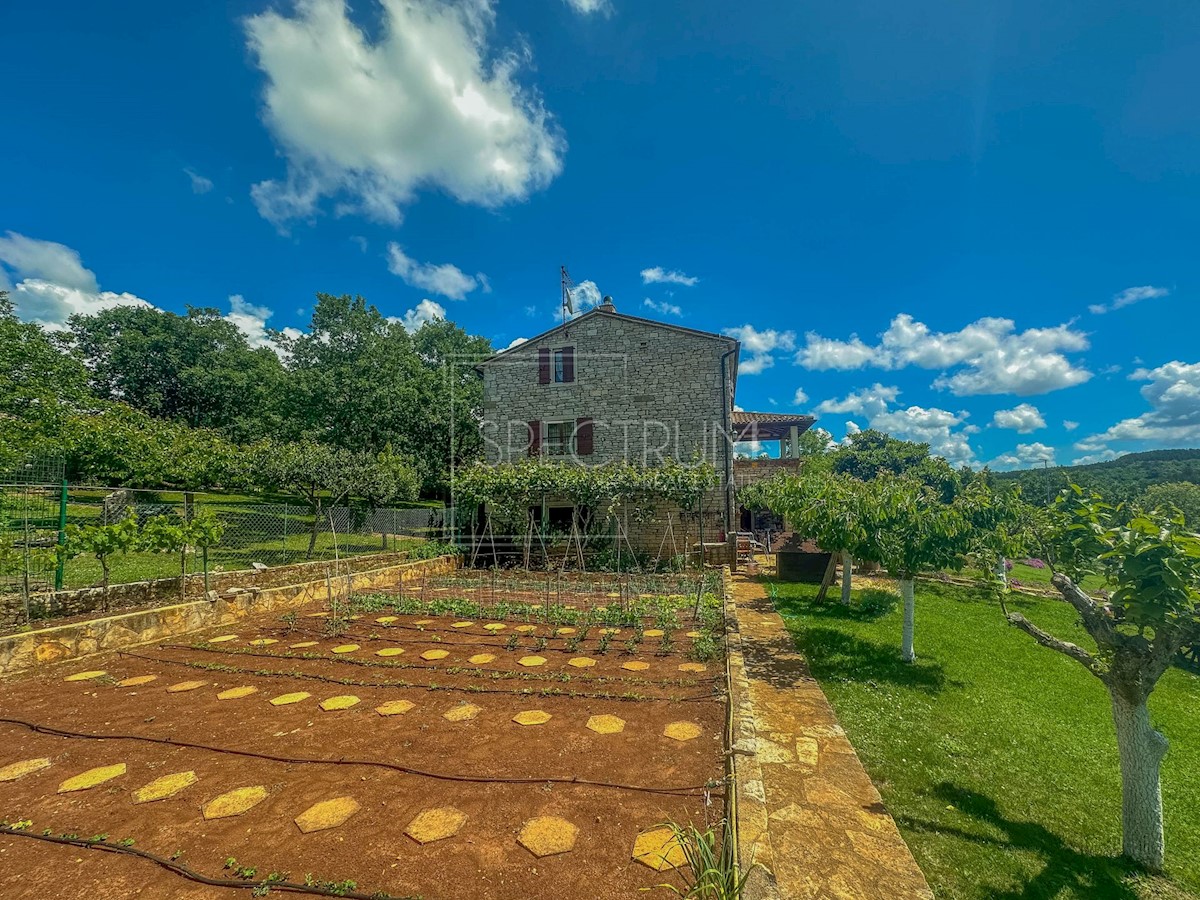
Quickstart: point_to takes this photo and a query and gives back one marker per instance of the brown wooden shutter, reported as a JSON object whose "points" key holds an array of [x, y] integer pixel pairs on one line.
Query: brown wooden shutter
{"points": [[583, 437], [568, 363], [535, 437], [543, 365]]}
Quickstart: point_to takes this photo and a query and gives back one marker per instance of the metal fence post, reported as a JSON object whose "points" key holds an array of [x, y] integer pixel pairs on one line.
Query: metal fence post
{"points": [[61, 563]]}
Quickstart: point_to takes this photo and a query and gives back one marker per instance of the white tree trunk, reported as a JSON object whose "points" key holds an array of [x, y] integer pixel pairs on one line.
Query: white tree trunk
{"points": [[910, 612], [1142, 750], [847, 567]]}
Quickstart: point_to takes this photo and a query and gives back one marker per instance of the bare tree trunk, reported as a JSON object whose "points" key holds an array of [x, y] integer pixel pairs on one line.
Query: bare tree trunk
{"points": [[847, 568], [1142, 750], [910, 612], [827, 578], [312, 537]]}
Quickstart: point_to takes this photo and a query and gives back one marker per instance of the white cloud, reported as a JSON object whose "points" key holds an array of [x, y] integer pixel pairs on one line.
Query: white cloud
{"points": [[423, 312], [990, 356], [429, 104], [800, 398], [1128, 297], [1023, 456], [251, 320], [585, 295], [757, 347], [1022, 418], [516, 342], [49, 282], [200, 184], [587, 7], [1070, 425], [1173, 392], [439, 278], [663, 308], [1102, 456], [658, 275], [936, 427]]}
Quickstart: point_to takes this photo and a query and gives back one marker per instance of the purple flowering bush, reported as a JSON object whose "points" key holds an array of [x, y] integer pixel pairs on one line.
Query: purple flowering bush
{"points": [[1035, 563]]}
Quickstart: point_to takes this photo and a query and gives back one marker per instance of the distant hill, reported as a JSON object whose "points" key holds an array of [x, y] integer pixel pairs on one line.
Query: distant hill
{"points": [[1117, 480]]}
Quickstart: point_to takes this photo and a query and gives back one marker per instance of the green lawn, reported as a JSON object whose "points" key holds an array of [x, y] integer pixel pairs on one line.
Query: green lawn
{"points": [[1029, 575], [997, 756]]}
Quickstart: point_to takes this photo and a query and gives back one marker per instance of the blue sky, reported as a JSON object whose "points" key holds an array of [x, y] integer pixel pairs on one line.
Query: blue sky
{"points": [[972, 223]]}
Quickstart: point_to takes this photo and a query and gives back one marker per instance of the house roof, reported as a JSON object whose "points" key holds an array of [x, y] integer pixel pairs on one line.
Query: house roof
{"points": [[600, 311], [756, 426]]}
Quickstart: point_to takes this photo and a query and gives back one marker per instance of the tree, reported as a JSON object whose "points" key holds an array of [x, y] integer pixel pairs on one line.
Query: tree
{"points": [[1181, 496], [1153, 565], [102, 541], [870, 454]]}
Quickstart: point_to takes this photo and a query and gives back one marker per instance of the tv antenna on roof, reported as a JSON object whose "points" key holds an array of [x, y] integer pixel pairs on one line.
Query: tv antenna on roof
{"points": [[568, 299]]}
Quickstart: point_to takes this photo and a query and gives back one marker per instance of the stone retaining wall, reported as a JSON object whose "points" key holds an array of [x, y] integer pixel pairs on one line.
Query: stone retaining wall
{"points": [[77, 640]]}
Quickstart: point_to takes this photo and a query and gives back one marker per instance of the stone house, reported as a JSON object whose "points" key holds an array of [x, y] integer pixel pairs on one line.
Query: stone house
{"points": [[606, 386]]}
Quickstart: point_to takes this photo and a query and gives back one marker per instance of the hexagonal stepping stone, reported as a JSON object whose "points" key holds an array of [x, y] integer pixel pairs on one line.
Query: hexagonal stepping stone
{"points": [[693, 634], [184, 686], [287, 699], [464, 712], [235, 802], [682, 731], [136, 680], [387, 620], [302, 644], [495, 626], [92, 777], [636, 665], [85, 676], [355, 618], [532, 717], [222, 638], [548, 835], [606, 724], [237, 693], [395, 707], [610, 630], [525, 629], [480, 659], [658, 849], [693, 667], [531, 661], [316, 615], [326, 814], [345, 648], [462, 624], [435, 654], [16, 770], [435, 824], [263, 642], [653, 632], [390, 651], [565, 631], [345, 701], [164, 787], [423, 622], [581, 662]]}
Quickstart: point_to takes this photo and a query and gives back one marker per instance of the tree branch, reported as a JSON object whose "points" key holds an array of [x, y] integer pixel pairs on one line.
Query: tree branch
{"points": [[1066, 648], [1094, 616]]}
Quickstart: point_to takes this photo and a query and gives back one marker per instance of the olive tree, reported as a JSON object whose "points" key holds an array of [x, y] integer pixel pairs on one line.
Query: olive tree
{"points": [[1152, 563]]}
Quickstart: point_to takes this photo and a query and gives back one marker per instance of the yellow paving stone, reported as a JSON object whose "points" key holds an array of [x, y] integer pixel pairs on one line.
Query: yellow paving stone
{"points": [[166, 786], [464, 712], [565, 631], [435, 654], [480, 658], [435, 824], [235, 802], [355, 617], [548, 835], [658, 849], [636, 665], [302, 644], [237, 693], [222, 638], [653, 632], [525, 629], [531, 661], [316, 615], [682, 731], [183, 686], [326, 814], [610, 630], [390, 651], [532, 717], [285, 699], [693, 667], [345, 648], [613, 594], [345, 701], [395, 707], [423, 622], [693, 634], [462, 624], [16, 770], [606, 724], [85, 676], [581, 662], [495, 626], [387, 620], [136, 680], [263, 642], [91, 778]]}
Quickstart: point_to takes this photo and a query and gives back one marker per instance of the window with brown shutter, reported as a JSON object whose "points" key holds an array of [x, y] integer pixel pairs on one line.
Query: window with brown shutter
{"points": [[568, 365], [535, 437], [543, 365], [583, 437]]}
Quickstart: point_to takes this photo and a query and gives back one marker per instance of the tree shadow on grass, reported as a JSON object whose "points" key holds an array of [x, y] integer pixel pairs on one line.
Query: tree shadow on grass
{"points": [[1065, 869], [836, 656]]}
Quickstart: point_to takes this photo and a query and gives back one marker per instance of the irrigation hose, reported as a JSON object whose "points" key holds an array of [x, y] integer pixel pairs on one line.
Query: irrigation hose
{"points": [[691, 790], [183, 871]]}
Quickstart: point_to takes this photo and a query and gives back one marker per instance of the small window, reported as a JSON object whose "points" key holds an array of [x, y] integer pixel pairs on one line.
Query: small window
{"points": [[558, 438], [560, 366], [558, 518]]}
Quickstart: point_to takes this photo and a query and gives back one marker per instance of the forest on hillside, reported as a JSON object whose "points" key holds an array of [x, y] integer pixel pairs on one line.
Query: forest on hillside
{"points": [[1119, 480]]}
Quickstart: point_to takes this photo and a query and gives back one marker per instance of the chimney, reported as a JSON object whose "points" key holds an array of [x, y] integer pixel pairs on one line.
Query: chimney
{"points": [[606, 305]]}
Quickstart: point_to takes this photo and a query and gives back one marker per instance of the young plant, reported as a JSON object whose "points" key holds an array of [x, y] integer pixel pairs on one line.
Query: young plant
{"points": [[102, 542], [712, 871]]}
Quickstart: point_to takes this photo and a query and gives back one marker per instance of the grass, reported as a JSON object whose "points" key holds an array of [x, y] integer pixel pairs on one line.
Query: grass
{"points": [[996, 756], [1028, 575]]}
